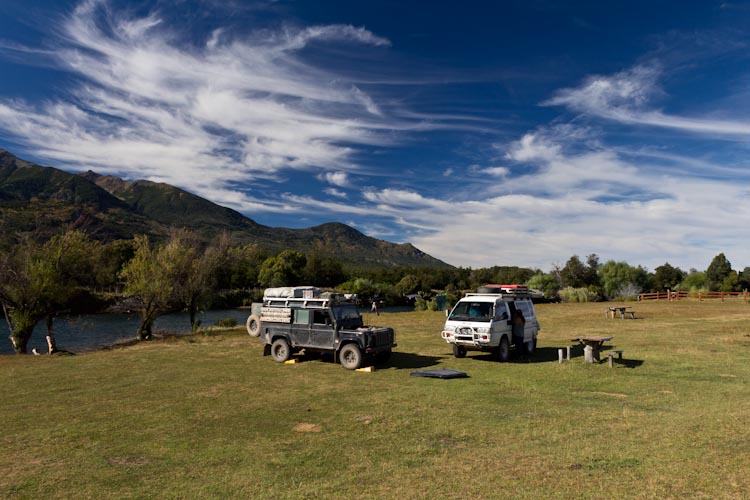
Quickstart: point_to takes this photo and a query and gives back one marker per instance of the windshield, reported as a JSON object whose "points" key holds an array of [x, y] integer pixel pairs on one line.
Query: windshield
{"points": [[472, 311], [347, 314]]}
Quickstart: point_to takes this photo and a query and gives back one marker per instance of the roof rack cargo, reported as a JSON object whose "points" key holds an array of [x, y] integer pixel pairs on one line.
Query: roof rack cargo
{"points": [[503, 289], [292, 292]]}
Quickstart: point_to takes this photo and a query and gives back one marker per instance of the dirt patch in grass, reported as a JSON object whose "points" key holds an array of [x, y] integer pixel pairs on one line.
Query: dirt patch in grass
{"points": [[306, 427]]}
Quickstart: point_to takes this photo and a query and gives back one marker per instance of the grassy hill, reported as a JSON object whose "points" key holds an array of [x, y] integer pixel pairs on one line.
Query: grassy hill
{"points": [[42, 200]]}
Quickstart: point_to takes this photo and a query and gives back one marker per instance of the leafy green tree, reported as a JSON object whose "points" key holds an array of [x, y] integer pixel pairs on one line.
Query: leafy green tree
{"points": [[196, 271], [619, 277], [39, 279], [546, 283], [110, 259], [591, 274], [694, 281], [667, 277], [242, 267], [150, 276], [574, 273], [285, 269], [745, 279], [408, 285], [717, 271], [731, 283], [323, 271]]}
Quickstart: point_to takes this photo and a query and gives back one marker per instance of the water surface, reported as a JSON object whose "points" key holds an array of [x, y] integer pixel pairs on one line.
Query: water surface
{"points": [[93, 331]]}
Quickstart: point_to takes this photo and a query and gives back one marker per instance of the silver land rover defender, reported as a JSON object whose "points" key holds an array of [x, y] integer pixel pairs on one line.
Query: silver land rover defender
{"points": [[493, 319]]}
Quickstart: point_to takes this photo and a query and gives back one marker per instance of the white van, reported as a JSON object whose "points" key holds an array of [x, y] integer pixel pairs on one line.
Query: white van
{"points": [[485, 322]]}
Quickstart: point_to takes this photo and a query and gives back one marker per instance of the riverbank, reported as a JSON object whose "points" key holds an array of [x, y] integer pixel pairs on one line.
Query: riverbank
{"points": [[90, 332]]}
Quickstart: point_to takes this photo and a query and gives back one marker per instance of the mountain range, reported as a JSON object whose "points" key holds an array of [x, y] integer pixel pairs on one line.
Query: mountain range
{"points": [[42, 200]]}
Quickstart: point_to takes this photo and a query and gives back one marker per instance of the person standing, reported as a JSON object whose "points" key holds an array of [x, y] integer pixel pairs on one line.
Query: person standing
{"points": [[519, 324]]}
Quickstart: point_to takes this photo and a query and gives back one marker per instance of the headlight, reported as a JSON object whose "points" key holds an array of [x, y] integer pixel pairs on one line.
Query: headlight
{"points": [[483, 329]]}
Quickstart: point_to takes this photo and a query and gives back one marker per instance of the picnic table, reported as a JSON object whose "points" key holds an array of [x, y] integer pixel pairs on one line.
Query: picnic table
{"points": [[592, 346], [621, 310]]}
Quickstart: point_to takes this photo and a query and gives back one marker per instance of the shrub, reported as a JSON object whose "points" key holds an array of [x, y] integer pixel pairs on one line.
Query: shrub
{"points": [[570, 294], [420, 304], [227, 323]]}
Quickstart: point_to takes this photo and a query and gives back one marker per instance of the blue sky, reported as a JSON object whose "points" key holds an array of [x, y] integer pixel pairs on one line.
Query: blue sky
{"points": [[485, 133]]}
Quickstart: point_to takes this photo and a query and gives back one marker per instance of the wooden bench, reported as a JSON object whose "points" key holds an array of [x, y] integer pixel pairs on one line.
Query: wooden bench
{"points": [[611, 356]]}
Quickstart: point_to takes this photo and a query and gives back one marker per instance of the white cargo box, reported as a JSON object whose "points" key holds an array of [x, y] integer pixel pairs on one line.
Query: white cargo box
{"points": [[291, 292]]}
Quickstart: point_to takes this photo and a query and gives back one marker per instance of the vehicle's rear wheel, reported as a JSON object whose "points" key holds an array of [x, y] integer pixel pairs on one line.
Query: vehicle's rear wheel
{"points": [[253, 325], [503, 350], [459, 351], [350, 357], [280, 350]]}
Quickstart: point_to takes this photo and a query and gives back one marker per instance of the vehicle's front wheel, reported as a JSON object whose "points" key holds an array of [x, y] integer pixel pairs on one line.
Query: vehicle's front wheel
{"points": [[280, 350], [459, 351], [503, 350], [350, 357]]}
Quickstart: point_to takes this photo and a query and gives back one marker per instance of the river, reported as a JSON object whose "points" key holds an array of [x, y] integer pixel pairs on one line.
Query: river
{"points": [[93, 331]]}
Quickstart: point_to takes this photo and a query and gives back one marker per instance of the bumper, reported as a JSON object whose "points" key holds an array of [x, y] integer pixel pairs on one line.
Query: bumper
{"points": [[470, 340]]}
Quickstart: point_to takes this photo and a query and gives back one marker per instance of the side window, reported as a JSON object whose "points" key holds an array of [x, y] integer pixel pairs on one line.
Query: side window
{"points": [[501, 311], [321, 318], [301, 317], [526, 308]]}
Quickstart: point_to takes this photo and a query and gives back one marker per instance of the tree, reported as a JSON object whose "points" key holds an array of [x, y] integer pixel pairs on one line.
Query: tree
{"points": [[196, 270], [591, 274], [573, 274], [150, 276], [408, 285], [546, 283], [323, 271], [745, 279], [717, 271], [667, 277], [619, 277], [694, 281], [285, 269], [38, 279], [731, 283], [242, 267]]}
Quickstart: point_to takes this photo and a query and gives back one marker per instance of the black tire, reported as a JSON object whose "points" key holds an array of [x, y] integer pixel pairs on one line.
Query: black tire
{"points": [[350, 357], [530, 347], [253, 325], [503, 350], [459, 351], [280, 350]]}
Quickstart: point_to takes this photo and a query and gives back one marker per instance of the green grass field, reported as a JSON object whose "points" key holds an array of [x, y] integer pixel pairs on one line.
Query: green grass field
{"points": [[210, 417]]}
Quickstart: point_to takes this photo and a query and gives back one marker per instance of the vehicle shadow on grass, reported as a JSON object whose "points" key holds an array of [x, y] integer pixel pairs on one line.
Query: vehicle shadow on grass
{"points": [[541, 355], [408, 361]]}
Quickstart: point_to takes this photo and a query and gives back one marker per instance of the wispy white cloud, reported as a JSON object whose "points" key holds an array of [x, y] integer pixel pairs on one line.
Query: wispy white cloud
{"points": [[626, 97], [148, 106], [495, 171], [578, 202], [340, 179], [335, 192]]}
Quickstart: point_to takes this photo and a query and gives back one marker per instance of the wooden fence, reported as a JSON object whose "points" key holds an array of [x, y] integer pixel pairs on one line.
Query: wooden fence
{"points": [[722, 296]]}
